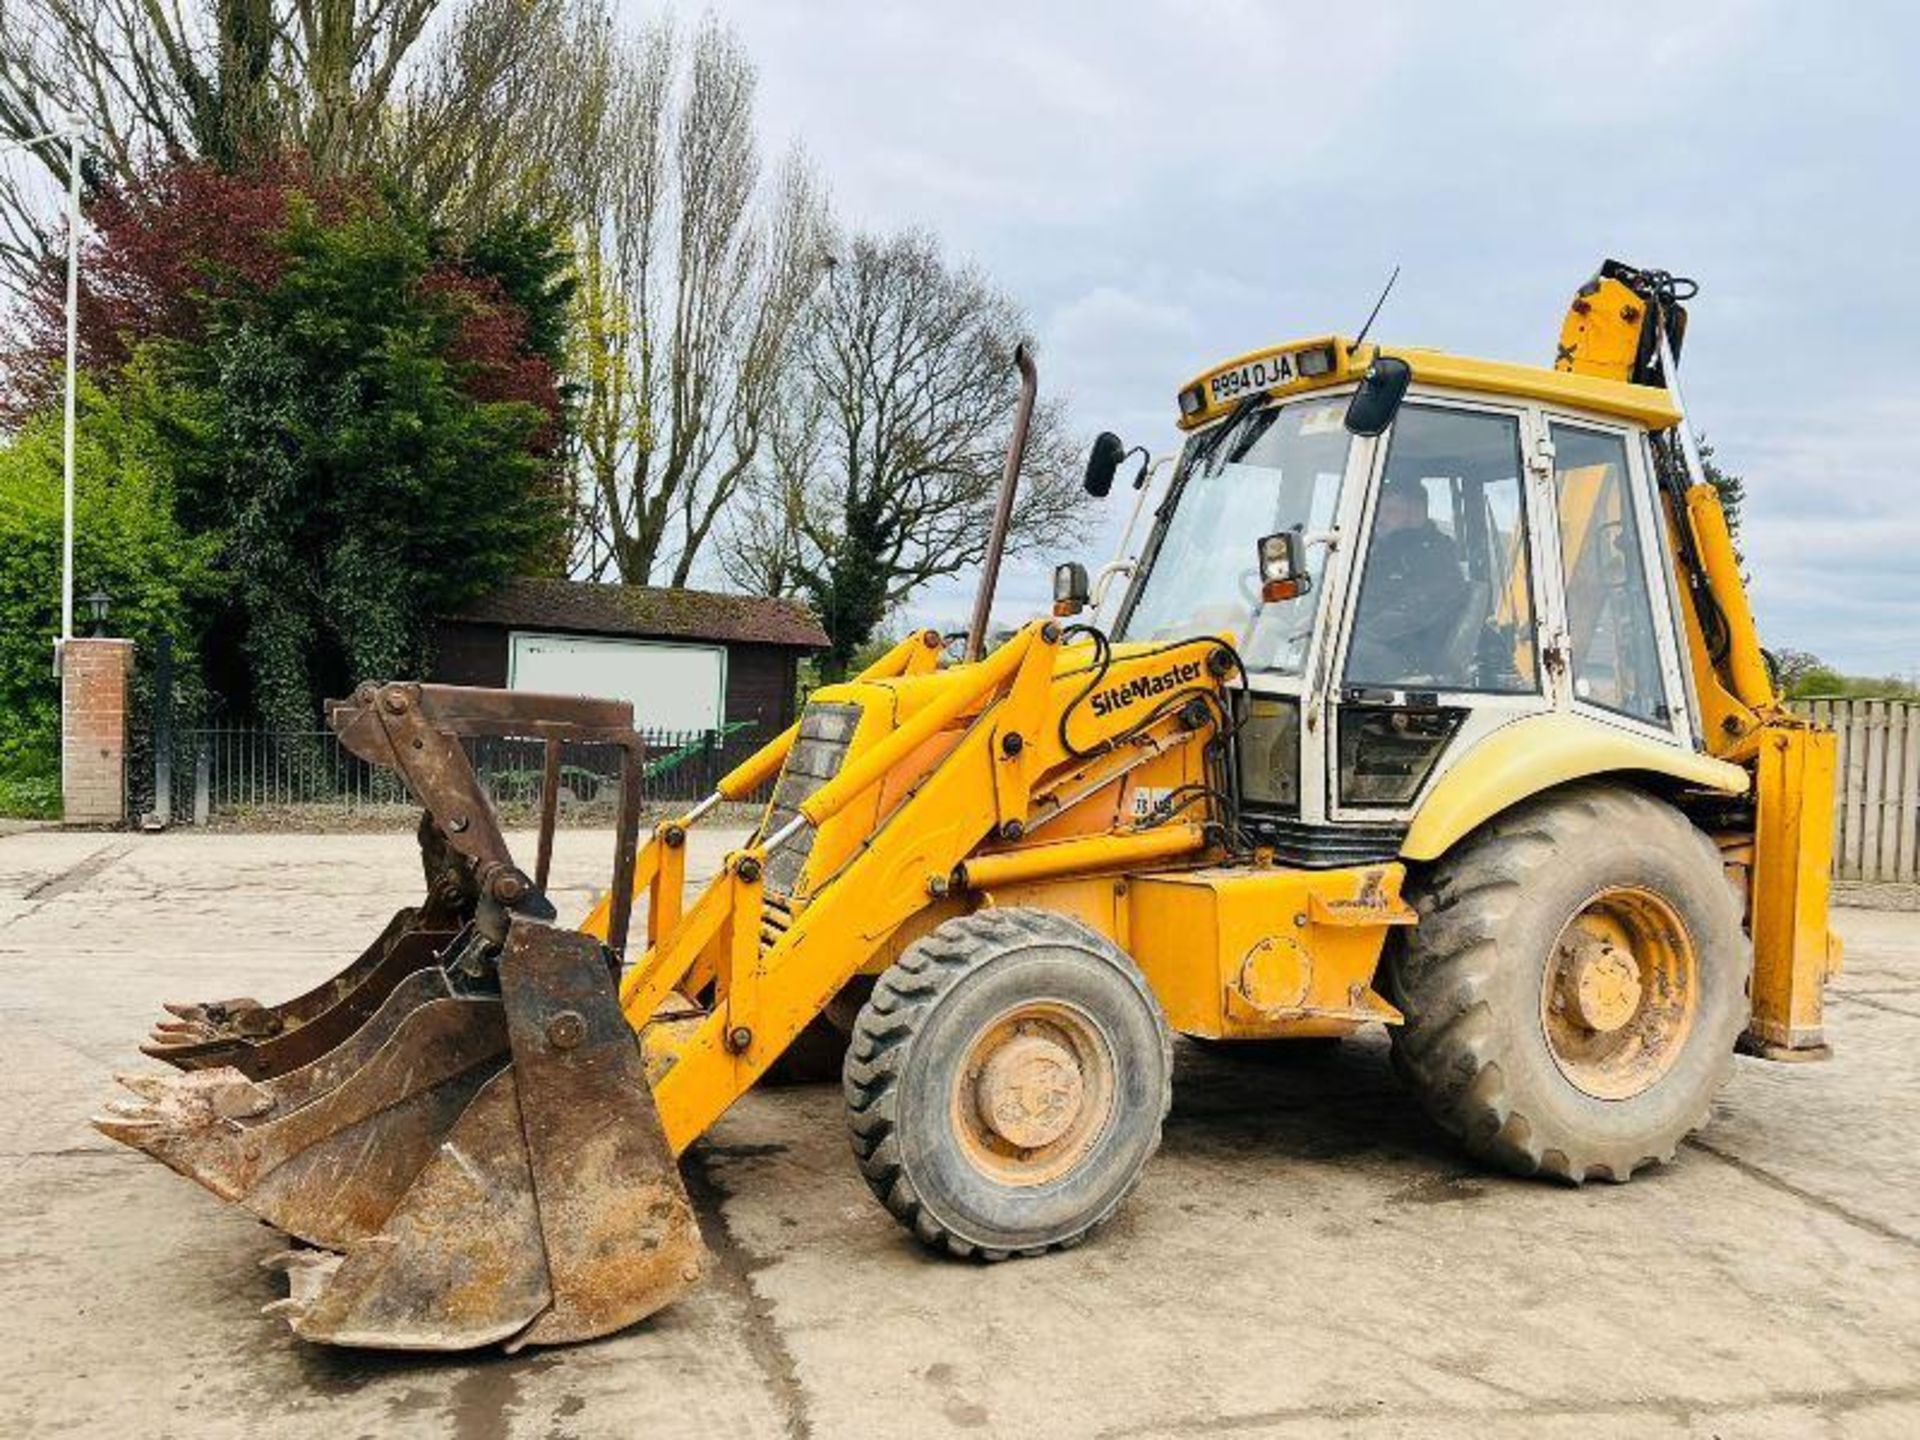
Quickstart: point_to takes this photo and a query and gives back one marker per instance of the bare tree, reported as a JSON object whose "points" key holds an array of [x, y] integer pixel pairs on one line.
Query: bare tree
{"points": [[889, 459], [472, 103], [694, 271], [504, 102], [763, 546]]}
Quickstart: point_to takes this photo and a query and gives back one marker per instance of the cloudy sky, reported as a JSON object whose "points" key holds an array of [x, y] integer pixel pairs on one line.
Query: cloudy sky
{"points": [[1164, 185]]}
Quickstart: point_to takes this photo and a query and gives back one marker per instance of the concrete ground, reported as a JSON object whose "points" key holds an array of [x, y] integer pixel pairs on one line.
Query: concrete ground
{"points": [[1305, 1257]]}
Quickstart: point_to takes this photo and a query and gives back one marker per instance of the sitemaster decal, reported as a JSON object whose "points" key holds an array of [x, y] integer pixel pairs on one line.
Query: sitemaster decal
{"points": [[1118, 697]]}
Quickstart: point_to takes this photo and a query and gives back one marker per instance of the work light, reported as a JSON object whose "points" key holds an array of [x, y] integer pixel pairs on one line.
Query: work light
{"points": [[1283, 571], [1070, 588], [1315, 362]]}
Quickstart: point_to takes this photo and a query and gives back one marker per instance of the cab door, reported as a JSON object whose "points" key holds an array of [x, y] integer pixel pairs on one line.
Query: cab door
{"points": [[1444, 630], [1615, 650]]}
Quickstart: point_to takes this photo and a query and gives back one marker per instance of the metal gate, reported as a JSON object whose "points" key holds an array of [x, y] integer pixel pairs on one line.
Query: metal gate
{"points": [[247, 771]]}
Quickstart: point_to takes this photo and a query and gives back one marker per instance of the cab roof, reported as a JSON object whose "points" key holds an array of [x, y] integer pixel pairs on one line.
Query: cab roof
{"points": [[1302, 366]]}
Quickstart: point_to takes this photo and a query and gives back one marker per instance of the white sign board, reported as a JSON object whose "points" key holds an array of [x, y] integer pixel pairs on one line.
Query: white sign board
{"points": [[672, 687]]}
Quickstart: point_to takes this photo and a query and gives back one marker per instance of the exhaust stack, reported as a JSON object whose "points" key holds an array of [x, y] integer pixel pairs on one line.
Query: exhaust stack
{"points": [[1003, 509]]}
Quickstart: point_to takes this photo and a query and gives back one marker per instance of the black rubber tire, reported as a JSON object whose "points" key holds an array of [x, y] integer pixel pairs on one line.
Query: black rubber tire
{"points": [[1469, 978], [916, 1030]]}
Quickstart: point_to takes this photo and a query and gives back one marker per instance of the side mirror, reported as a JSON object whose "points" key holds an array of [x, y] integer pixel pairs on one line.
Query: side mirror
{"points": [[1102, 461], [1070, 588], [1378, 399], [1283, 567]]}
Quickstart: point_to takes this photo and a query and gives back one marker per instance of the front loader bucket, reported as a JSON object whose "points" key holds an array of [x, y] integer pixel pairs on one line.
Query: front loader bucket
{"points": [[552, 1212], [326, 1151], [459, 1122], [263, 1041], [460, 1199]]}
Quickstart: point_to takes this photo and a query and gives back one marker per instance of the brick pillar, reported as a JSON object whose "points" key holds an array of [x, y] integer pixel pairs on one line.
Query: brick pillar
{"points": [[94, 677]]}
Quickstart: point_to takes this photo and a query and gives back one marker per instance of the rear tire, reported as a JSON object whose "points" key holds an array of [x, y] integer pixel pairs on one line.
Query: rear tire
{"points": [[1575, 986], [1006, 1083]]}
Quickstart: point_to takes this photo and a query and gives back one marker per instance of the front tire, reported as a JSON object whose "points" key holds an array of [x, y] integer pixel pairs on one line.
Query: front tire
{"points": [[1006, 1083], [1575, 986]]}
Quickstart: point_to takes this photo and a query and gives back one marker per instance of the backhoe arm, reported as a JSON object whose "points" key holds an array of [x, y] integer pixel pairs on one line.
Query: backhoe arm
{"points": [[1629, 324]]}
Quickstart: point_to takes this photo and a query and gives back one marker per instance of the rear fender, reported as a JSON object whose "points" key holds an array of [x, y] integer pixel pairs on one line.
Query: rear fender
{"points": [[1538, 753]]}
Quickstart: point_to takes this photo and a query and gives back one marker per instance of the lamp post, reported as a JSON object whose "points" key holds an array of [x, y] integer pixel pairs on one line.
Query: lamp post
{"points": [[73, 363], [73, 132], [97, 605]]}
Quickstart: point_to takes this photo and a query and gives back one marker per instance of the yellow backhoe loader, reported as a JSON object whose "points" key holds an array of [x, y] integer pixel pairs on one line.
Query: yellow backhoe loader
{"points": [[1433, 700]]}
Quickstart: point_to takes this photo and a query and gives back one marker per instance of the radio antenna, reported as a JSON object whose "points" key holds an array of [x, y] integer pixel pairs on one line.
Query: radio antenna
{"points": [[1374, 314]]}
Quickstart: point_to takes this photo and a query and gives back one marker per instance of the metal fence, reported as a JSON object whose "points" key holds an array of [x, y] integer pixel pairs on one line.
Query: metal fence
{"points": [[232, 770], [235, 770], [1876, 789]]}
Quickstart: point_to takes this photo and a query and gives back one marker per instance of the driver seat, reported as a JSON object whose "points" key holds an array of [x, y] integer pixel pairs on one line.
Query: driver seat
{"points": [[1460, 650]]}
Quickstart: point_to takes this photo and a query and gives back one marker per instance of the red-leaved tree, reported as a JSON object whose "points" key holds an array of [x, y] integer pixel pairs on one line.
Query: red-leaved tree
{"points": [[489, 346], [164, 253]]}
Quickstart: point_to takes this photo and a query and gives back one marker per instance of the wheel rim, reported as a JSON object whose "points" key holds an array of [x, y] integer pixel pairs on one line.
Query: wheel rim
{"points": [[1618, 1000], [1035, 1092]]}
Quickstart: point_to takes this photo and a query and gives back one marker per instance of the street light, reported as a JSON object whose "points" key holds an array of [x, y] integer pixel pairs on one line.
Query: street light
{"points": [[72, 131], [97, 604]]}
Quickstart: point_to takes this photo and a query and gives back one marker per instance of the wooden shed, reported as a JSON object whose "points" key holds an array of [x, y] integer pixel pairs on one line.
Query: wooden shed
{"points": [[688, 659]]}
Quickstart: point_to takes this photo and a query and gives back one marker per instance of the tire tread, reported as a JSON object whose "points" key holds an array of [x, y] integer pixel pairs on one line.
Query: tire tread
{"points": [[902, 1000], [1443, 983]]}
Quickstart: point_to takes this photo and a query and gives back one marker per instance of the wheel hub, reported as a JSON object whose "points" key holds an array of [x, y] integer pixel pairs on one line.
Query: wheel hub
{"points": [[1035, 1092], [1600, 984], [1620, 993], [1030, 1091]]}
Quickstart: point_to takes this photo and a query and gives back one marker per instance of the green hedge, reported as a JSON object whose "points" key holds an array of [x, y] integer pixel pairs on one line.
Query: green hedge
{"points": [[126, 542]]}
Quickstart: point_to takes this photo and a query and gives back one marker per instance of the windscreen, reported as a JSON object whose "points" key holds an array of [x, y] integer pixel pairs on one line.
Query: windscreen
{"points": [[1256, 473]]}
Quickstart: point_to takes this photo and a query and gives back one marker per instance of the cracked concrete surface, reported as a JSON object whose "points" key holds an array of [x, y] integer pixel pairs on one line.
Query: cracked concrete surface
{"points": [[1305, 1257]]}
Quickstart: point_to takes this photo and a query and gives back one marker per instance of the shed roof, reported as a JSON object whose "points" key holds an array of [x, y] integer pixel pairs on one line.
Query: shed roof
{"points": [[646, 611]]}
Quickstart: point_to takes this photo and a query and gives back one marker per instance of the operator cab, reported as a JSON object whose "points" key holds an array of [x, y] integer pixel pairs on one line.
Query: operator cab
{"points": [[1410, 550]]}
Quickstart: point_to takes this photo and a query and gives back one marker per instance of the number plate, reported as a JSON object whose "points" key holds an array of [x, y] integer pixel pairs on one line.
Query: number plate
{"points": [[1247, 379]]}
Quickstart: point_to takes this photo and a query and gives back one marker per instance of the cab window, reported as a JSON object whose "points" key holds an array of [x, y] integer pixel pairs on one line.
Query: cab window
{"points": [[1610, 629], [1261, 471], [1446, 598]]}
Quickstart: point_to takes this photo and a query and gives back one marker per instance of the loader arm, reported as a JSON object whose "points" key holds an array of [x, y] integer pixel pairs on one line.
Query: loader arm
{"points": [[946, 777]]}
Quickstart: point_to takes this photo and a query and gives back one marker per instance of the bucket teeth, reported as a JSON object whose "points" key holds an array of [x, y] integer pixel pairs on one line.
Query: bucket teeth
{"points": [[268, 1041], [202, 1097], [146, 1086], [210, 1011], [190, 1123], [219, 1020], [308, 1273]]}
